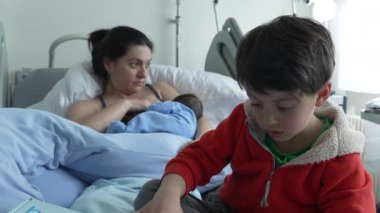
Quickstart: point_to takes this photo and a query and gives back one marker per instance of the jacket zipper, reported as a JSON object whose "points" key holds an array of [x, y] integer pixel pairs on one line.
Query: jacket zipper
{"points": [[264, 201]]}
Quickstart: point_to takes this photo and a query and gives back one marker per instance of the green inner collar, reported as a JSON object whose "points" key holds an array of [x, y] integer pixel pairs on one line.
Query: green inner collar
{"points": [[284, 158]]}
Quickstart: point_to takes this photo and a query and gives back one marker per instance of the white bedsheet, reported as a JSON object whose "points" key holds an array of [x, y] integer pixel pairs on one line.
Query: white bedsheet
{"points": [[114, 195]]}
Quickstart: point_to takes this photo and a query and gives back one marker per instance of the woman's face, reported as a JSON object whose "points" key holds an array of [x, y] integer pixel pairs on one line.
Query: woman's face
{"points": [[128, 73]]}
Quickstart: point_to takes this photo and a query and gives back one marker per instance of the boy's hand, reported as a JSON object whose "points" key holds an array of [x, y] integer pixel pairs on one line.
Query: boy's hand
{"points": [[161, 204], [168, 196]]}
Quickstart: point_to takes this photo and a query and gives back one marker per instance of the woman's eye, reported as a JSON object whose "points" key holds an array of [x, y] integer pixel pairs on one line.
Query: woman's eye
{"points": [[133, 65]]}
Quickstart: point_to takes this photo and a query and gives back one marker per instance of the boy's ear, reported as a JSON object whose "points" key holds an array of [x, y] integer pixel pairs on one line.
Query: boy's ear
{"points": [[323, 94]]}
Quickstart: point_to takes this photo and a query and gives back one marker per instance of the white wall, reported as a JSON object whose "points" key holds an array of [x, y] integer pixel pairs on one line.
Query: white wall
{"points": [[356, 101], [31, 26]]}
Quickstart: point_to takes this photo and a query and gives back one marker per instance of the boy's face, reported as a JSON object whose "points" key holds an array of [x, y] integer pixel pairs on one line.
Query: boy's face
{"points": [[282, 115]]}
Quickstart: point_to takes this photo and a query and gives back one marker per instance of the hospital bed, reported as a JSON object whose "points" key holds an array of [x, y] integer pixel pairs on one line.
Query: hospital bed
{"points": [[52, 90], [93, 181], [221, 54], [220, 59], [28, 91], [3, 69]]}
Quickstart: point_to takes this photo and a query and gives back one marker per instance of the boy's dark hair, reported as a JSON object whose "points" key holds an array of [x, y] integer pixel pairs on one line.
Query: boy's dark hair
{"points": [[191, 101], [287, 54]]}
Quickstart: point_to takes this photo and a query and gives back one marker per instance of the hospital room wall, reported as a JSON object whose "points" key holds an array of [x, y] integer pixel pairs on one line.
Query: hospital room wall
{"points": [[31, 26]]}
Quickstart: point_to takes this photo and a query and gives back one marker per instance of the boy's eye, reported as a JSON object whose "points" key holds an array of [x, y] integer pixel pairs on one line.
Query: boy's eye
{"points": [[284, 109], [255, 105]]}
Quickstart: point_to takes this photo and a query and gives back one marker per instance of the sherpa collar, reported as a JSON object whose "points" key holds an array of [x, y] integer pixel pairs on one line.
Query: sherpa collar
{"points": [[340, 139]]}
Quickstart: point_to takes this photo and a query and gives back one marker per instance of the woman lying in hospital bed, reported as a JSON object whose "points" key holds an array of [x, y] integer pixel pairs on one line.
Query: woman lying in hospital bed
{"points": [[57, 151], [120, 59]]}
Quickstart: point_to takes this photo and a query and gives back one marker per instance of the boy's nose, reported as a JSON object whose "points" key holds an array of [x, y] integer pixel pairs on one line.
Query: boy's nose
{"points": [[269, 119]]}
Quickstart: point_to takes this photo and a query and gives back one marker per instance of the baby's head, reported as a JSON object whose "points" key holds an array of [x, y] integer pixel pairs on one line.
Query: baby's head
{"points": [[191, 101]]}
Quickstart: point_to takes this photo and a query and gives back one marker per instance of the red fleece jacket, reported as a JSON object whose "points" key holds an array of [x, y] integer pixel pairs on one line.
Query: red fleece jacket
{"points": [[314, 182]]}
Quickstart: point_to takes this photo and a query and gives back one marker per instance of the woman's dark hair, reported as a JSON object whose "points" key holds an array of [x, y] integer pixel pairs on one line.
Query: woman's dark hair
{"points": [[113, 44], [192, 101], [287, 54]]}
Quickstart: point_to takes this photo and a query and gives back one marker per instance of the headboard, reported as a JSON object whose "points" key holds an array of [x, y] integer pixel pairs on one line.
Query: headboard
{"points": [[3, 69], [221, 54], [35, 86], [39, 82]]}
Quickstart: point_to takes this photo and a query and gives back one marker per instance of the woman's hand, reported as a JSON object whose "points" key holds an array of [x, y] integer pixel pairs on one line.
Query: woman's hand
{"points": [[92, 114], [138, 102]]}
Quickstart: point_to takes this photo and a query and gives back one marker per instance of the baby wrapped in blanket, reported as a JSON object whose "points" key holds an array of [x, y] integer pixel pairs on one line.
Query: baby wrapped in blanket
{"points": [[178, 116]]}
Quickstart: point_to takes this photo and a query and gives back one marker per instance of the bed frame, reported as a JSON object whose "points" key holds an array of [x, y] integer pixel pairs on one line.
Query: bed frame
{"points": [[30, 90], [221, 54], [3, 69]]}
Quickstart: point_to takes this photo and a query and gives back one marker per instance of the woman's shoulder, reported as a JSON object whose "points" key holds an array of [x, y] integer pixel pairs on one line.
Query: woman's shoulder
{"points": [[160, 86], [83, 106], [165, 90], [95, 100]]}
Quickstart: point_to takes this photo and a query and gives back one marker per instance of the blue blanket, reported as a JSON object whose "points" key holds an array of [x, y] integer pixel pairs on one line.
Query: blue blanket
{"points": [[33, 141], [169, 116]]}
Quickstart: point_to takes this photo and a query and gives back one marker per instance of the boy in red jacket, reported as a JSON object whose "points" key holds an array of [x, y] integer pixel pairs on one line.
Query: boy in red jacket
{"points": [[289, 148]]}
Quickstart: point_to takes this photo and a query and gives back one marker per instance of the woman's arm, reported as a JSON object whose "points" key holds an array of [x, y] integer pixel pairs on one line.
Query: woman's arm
{"points": [[166, 91], [90, 112], [203, 125]]}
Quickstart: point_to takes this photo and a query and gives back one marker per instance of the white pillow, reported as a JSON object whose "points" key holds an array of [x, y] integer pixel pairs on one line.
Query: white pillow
{"points": [[219, 94]]}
